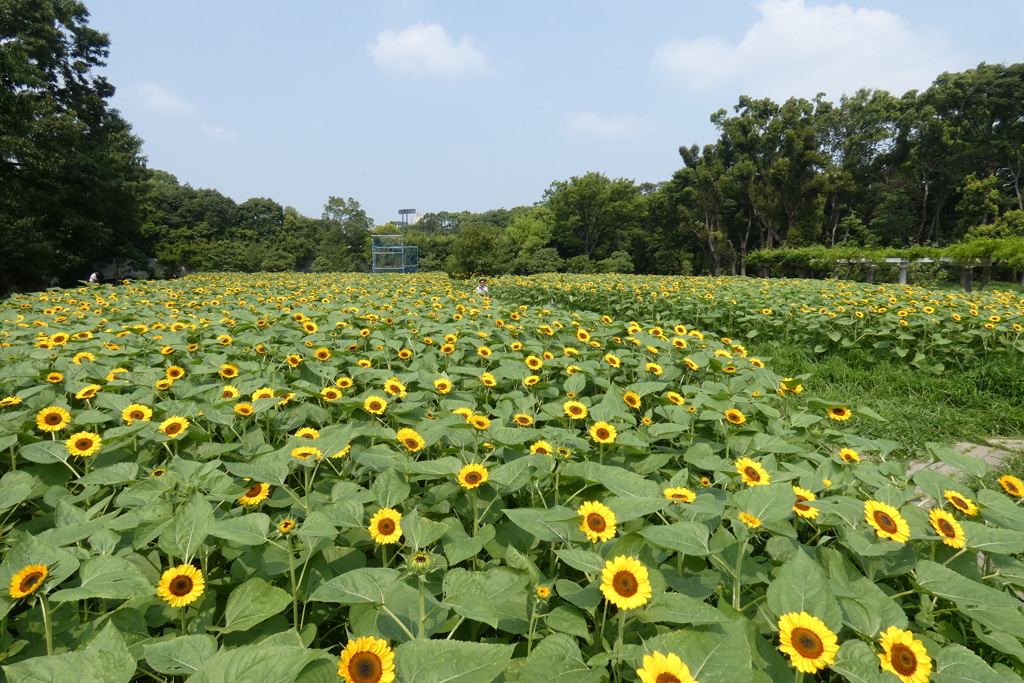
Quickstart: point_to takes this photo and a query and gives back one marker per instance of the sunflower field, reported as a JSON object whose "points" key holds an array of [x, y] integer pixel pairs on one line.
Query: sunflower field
{"points": [[389, 478], [934, 331]]}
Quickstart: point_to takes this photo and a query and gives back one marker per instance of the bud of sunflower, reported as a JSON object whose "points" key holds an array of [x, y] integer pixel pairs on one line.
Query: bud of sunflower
{"points": [[421, 563]]}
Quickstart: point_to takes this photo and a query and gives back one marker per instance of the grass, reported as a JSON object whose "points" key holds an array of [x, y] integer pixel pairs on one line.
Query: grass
{"points": [[973, 405]]}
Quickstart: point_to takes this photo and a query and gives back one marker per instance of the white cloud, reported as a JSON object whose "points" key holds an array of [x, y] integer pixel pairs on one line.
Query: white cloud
{"points": [[157, 99], [590, 124], [427, 49], [218, 133], [799, 49]]}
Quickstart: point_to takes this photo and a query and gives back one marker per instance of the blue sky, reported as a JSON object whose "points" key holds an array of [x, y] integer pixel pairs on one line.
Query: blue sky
{"points": [[459, 105]]}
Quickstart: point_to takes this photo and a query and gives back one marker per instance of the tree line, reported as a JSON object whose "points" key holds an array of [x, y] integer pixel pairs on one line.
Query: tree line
{"points": [[873, 170]]}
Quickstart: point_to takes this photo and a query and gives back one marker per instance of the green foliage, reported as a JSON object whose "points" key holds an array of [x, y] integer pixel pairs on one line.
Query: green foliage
{"points": [[478, 249]]}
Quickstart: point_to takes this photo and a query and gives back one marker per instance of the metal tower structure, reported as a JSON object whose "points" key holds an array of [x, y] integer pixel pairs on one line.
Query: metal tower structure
{"points": [[391, 255]]}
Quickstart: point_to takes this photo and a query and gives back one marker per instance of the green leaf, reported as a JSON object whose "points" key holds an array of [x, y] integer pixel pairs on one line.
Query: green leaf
{"points": [[554, 525], [858, 663], [583, 560], [259, 662], [180, 656], [252, 602], [675, 608], [115, 474], [627, 509], [107, 576], [945, 583], [957, 664], [557, 659], [104, 660], [390, 488], [249, 529], [188, 528], [769, 503], [450, 661], [15, 487], [368, 585], [569, 620], [467, 594], [801, 586], [268, 468], [965, 463], [713, 656], [689, 538], [999, 509], [992, 540], [421, 532], [109, 654]]}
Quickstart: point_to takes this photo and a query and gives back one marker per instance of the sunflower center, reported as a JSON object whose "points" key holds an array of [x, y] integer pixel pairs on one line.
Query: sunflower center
{"points": [[254, 491], [946, 529], [365, 667], [173, 428], [411, 444], [386, 527], [752, 474], [596, 522], [543, 451], [473, 478], [903, 659], [575, 410], [602, 433], [885, 522], [136, 415], [800, 503], [807, 643], [52, 419], [1012, 488], [83, 444], [625, 584], [666, 677], [30, 581], [180, 586], [959, 502], [374, 406]]}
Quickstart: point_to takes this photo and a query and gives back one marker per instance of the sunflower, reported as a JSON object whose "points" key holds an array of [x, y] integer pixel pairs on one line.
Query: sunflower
{"points": [[487, 379], [244, 409], [531, 380], [598, 521], [802, 497], [367, 660], [28, 580], [631, 399], [947, 527], [961, 503], [751, 472], [1012, 485], [680, 494], [181, 586], [307, 452], [158, 472], [375, 405], [659, 668], [163, 384], [575, 410], [257, 493], [443, 385], [887, 521], [83, 444], [542, 447], [690, 363], [811, 646], [543, 592], [174, 372], [228, 371], [523, 420], [612, 360], [137, 411], [55, 378], [750, 520], [472, 476], [395, 387], [735, 416], [174, 427], [904, 656], [265, 392], [624, 582], [330, 393], [481, 422], [307, 433], [88, 391], [386, 526], [52, 419], [602, 432], [343, 382], [839, 413], [849, 455], [410, 439]]}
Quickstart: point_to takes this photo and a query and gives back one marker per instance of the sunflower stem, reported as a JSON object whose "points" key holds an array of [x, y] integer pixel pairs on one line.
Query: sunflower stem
{"points": [[953, 557], [618, 644], [798, 676], [295, 588], [737, 578], [423, 608], [399, 622], [44, 606]]}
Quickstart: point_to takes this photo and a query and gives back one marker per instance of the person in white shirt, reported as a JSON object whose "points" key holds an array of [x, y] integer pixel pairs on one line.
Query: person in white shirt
{"points": [[481, 287]]}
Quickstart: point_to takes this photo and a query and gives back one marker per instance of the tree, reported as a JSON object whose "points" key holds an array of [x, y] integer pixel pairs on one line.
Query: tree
{"points": [[345, 240], [479, 249], [591, 214], [69, 166]]}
